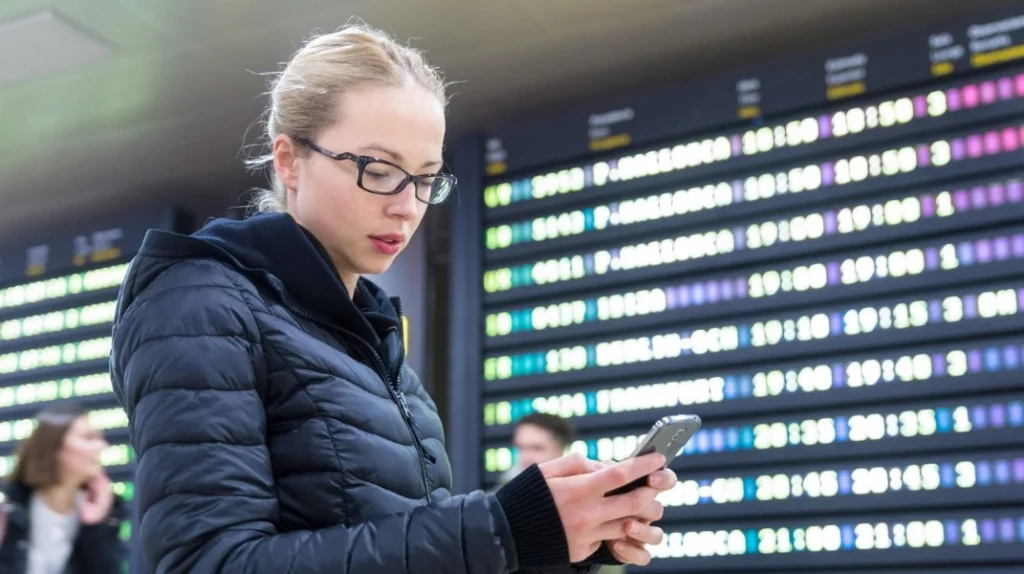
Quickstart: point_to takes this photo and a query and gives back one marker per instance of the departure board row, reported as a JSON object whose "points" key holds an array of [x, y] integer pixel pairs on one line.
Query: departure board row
{"points": [[820, 257], [57, 304]]}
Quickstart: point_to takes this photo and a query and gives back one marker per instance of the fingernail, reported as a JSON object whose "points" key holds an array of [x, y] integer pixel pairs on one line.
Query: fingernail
{"points": [[634, 528], [657, 480]]}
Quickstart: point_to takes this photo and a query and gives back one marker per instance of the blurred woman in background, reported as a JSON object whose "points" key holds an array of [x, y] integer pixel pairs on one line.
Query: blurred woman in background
{"points": [[60, 513]]}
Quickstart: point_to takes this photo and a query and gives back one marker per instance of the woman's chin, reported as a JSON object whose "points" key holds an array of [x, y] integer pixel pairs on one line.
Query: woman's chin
{"points": [[377, 266]]}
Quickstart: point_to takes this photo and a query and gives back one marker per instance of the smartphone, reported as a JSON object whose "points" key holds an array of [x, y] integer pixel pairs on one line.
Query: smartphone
{"points": [[668, 436]]}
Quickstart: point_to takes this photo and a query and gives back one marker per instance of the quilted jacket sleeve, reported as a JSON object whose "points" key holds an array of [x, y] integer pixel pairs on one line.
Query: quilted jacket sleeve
{"points": [[187, 365]]}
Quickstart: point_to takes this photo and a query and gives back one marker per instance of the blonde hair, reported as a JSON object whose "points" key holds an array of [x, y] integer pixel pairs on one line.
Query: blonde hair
{"points": [[303, 97]]}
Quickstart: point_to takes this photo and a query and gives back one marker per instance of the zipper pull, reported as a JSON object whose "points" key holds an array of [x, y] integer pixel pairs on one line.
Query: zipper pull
{"points": [[403, 404]]}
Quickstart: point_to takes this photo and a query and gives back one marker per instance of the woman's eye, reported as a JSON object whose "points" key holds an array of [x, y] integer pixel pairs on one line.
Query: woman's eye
{"points": [[375, 174]]}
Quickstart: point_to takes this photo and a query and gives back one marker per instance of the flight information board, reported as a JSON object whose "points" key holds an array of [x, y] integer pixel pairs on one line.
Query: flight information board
{"points": [[823, 257], [57, 304]]}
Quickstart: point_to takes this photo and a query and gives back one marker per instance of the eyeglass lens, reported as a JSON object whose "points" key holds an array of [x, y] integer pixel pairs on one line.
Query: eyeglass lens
{"points": [[385, 178]]}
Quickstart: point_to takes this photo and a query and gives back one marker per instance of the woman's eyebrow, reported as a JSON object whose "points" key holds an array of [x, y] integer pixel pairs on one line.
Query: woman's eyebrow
{"points": [[394, 155]]}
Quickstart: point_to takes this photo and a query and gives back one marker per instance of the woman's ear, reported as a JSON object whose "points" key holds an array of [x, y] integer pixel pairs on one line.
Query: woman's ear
{"points": [[286, 161]]}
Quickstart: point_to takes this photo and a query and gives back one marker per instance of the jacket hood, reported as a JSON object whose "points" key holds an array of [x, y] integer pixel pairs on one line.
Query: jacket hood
{"points": [[272, 249]]}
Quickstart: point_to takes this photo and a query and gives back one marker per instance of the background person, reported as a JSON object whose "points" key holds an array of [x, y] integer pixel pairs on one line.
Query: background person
{"points": [[61, 515], [538, 438]]}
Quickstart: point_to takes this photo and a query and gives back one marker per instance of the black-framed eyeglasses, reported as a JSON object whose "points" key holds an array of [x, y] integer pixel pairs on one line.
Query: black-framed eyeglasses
{"points": [[382, 177]]}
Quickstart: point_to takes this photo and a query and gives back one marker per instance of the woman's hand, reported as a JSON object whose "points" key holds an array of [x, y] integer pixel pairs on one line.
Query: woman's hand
{"points": [[99, 499], [630, 549], [589, 518]]}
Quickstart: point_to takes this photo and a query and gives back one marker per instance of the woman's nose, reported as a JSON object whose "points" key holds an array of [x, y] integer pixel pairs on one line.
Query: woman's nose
{"points": [[404, 204]]}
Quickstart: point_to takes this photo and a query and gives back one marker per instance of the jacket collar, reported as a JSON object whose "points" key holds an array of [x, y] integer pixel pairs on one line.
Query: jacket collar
{"points": [[275, 250]]}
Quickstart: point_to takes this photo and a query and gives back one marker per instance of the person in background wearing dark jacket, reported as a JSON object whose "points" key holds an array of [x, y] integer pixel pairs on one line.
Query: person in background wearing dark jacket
{"points": [[61, 515], [277, 425]]}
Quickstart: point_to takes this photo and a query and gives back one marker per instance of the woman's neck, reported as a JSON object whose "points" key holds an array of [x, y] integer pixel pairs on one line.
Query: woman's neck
{"points": [[349, 280], [61, 498]]}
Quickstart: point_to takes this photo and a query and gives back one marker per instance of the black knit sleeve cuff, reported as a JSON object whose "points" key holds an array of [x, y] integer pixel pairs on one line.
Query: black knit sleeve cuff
{"points": [[602, 557], [533, 519]]}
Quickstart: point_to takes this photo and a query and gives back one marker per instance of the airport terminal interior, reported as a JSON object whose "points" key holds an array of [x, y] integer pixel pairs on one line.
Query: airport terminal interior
{"points": [[801, 221]]}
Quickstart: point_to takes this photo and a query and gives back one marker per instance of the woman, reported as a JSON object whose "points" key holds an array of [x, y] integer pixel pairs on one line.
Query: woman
{"points": [[61, 516], [277, 425]]}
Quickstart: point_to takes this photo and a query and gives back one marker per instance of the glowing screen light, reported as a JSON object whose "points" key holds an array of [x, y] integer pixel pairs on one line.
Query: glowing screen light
{"points": [[617, 290], [866, 427], [852, 481], [53, 355], [45, 391], [827, 273], [842, 536], [643, 209], [61, 287], [847, 124], [125, 490], [57, 321], [767, 234], [916, 313], [809, 376]]}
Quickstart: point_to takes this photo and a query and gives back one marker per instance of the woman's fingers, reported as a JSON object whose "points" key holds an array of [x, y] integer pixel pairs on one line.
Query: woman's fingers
{"points": [[630, 553], [653, 512], [644, 533], [663, 480], [622, 473], [628, 504], [631, 529]]}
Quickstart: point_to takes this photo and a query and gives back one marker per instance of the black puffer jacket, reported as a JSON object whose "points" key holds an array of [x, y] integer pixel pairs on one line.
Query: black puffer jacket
{"points": [[278, 428], [97, 548]]}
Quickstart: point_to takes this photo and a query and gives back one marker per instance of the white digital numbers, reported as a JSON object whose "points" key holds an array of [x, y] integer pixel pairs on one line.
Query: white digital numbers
{"points": [[801, 278], [53, 355], [557, 183], [726, 338], [40, 392], [895, 264], [863, 536], [811, 378], [56, 321], [905, 369], [60, 287], [766, 234], [808, 379], [804, 131]]}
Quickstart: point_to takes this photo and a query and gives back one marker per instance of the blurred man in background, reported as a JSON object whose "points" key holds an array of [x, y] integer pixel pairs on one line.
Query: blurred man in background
{"points": [[538, 438]]}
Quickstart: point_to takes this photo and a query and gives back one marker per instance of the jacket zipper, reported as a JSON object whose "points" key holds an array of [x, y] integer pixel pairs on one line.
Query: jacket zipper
{"points": [[401, 395], [394, 388]]}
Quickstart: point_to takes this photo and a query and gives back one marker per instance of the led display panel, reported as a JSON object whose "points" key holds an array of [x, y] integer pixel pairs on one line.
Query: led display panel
{"points": [[820, 256], [57, 305]]}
